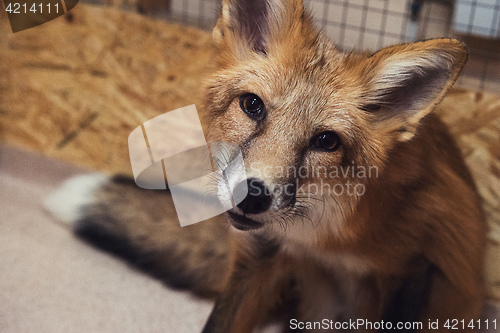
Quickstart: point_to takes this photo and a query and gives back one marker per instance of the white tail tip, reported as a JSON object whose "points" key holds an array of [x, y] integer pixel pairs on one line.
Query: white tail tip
{"points": [[66, 202]]}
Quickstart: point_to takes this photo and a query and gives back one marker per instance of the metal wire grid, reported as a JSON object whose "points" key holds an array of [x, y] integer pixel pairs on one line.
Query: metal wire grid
{"points": [[491, 8], [372, 24], [361, 24], [200, 13]]}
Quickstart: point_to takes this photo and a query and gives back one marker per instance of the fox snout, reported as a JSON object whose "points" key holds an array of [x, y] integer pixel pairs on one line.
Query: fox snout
{"points": [[260, 199]]}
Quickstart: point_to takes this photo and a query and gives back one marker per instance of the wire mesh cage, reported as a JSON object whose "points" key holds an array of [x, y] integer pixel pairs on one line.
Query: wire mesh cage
{"points": [[372, 24]]}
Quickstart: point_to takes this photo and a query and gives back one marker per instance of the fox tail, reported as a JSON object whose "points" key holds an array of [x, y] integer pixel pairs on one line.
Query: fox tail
{"points": [[141, 226]]}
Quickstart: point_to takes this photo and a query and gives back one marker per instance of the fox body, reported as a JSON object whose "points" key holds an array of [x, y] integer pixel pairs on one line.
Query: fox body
{"points": [[397, 234]]}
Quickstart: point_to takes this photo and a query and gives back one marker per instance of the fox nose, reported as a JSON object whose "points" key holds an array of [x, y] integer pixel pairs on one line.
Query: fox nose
{"points": [[258, 199]]}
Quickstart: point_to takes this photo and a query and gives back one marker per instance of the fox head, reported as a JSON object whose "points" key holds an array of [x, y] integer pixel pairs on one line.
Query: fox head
{"points": [[309, 118]]}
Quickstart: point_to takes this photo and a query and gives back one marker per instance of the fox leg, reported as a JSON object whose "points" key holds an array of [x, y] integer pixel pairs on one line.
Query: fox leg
{"points": [[253, 290], [331, 298], [240, 307]]}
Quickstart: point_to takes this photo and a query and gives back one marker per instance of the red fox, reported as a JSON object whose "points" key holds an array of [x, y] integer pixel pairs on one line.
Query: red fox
{"points": [[378, 224]]}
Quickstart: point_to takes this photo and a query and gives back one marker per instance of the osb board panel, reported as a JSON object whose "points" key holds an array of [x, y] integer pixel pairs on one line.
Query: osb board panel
{"points": [[76, 87]]}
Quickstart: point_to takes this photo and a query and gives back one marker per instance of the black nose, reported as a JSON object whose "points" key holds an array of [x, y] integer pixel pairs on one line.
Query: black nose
{"points": [[258, 199]]}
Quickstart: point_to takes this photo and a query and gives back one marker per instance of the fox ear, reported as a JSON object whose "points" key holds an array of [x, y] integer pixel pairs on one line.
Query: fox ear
{"points": [[250, 25], [407, 81]]}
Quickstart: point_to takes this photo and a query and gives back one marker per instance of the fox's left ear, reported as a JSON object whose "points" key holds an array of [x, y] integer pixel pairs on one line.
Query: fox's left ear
{"points": [[249, 27], [406, 81]]}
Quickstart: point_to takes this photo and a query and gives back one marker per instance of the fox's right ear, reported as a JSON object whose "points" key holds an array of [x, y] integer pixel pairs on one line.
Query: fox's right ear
{"points": [[406, 81], [252, 25]]}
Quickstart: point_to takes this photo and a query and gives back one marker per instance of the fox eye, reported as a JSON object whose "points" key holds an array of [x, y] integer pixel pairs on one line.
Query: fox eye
{"points": [[327, 141], [253, 106]]}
